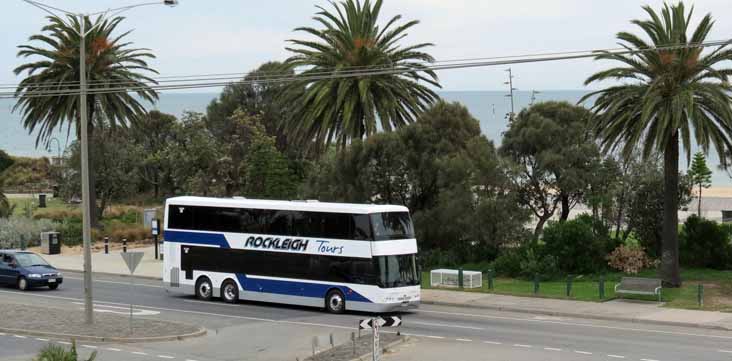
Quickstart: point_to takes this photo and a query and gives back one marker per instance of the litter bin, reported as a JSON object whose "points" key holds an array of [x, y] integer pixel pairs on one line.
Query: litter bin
{"points": [[41, 200], [50, 242]]}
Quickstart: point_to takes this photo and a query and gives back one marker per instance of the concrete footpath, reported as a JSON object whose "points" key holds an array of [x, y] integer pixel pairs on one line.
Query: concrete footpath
{"points": [[614, 310]]}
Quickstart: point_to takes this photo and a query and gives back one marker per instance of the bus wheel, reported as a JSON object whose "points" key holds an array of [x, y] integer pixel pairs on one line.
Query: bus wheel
{"points": [[230, 291], [204, 289], [335, 302]]}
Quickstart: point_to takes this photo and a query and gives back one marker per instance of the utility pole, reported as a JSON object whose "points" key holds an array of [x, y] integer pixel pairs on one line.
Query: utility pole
{"points": [[512, 114], [83, 87]]}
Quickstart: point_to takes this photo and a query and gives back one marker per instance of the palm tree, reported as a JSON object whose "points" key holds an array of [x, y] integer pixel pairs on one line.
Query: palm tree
{"points": [[338, 109], [111, 63], [667, 96]]}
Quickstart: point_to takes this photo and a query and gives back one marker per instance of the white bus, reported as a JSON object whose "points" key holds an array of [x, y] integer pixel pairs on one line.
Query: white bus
{"points": [[337, 256]]}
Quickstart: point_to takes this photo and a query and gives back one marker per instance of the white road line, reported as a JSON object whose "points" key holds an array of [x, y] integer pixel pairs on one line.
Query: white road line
{"points": [[725, 351], [522, 345], [648, 359], [463, 340], [569, 324], [492, 342], [437, 337], [552, 349], [583, 352], [419, 335], [2, 334], [64, 342], [42, 339], [445, 325], [89, 346], [115, 282], [139, 353], [213, 303], [166, 356], [19, 336], [615, 356], [191, 360], [112, 349]]}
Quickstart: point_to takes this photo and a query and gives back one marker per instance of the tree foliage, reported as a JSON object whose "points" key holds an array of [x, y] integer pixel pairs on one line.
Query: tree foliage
{"points": [[666, 97], [700, 176], [336, 109], [705, 243]]}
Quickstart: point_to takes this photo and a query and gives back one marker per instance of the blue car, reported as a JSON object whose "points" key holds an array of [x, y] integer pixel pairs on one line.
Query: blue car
{"points": [[27, 270]]}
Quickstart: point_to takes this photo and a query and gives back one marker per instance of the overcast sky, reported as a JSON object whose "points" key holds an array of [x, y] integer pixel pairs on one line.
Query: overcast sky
{"points": [[199, 37]]}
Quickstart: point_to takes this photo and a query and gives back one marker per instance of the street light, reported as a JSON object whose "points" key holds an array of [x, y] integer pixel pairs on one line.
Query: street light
{"points": [[86, 206]]}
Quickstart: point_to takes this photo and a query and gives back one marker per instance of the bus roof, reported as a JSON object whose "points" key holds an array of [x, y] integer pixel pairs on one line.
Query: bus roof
{"points": [[312, 206]]}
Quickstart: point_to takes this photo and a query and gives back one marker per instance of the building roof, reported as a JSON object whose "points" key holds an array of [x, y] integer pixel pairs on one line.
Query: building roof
{"points": [[309, 205]]}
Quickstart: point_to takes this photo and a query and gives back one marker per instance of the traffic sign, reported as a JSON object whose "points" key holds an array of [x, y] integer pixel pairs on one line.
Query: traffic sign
{"points": [[132, 259], [392, 321]]}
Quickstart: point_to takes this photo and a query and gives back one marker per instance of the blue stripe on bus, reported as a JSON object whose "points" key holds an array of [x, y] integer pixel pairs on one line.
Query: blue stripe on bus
{"points": [[281, 287]]}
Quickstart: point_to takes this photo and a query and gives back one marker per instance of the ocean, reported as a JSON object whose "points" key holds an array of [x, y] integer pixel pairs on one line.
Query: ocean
{"points": [[489, 107]]}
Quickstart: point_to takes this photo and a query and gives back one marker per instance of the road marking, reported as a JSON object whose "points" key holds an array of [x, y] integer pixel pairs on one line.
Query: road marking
{"points": [[463, 340], [583, 352], [89, 346], [437, 337], [446, 325], [418, 335], [42, 339], [125, 310], [19, 336], [725, 351], [139, 353], [615, 356], [64, 342], [213, 303], [113, 349], [191, 360], [165, 356], [2, 334], [115, 282], [492, 342], [568, 324], [648, 359], [552, 349], [522, 345]]}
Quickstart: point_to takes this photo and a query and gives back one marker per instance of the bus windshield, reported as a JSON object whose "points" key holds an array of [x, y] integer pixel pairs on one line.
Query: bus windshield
{"points": [[397, 271], [392, 225]]}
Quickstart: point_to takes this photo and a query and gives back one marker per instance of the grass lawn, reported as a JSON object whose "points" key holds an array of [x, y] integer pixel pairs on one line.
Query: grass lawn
{"points": [[717, 289], [21, 204]]}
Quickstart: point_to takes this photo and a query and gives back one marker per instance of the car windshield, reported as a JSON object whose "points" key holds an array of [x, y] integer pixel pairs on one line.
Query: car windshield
{"points": [[397, 270], [392, 225], [30, 259]]}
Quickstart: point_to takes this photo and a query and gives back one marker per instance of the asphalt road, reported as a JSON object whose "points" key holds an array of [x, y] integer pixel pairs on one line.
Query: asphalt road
{"points": [[257, 331]]}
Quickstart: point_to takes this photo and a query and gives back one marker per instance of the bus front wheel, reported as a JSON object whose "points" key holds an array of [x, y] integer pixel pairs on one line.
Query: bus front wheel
{"points": [[230, 291], [204, 289], [335, 302]]}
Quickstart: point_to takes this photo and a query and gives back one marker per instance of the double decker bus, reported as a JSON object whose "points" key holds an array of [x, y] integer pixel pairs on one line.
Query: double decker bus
{"points": [[331, 255]]}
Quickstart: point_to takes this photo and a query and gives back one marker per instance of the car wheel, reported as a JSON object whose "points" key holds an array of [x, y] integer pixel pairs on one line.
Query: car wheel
{"points": [[53, 286], [204, 289], [22, 284], [335, 302], [230, 291]]}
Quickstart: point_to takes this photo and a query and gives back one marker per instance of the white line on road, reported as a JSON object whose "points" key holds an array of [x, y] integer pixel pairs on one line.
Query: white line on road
{"points": [[113, 349], [463, 340], [615, 356], [648, 359], [437, 337], [114, 282], [725, 351], [89, 346], [42, 339], [165, 356], [418, 335], [64, 342], [446, 325], [190, 360], [492, 342], [19, 336], [522, 345], [2, 334], [583, 352], [571, 324], [552, 349], [139, 353]]}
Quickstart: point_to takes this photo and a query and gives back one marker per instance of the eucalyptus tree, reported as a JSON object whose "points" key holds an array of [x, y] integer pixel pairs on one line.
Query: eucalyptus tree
{"points": [[671, 92], [357, 77], [48, 98]]}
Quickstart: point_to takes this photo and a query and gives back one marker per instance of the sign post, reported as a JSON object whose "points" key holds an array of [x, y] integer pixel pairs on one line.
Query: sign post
{"points": [[132, 260], [155, 232], [377, 349], [375, 324]]}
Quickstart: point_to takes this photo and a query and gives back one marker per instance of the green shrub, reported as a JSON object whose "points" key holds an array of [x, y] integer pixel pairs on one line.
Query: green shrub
{"points": [[534, 264], [508, 262], [578, 246], [16, 230], [705, 244], [52, 352], [71, 232]]}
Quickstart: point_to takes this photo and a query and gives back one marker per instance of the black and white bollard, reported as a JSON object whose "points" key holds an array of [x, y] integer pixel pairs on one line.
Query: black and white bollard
{"points": [[106, 245], [124, 245]]}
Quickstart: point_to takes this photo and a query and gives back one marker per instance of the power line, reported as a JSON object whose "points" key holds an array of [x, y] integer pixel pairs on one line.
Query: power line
{"points": [[320, 75]]}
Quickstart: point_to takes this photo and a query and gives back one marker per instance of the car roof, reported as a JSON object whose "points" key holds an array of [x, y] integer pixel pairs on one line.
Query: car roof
{"points": [[14, 251]]}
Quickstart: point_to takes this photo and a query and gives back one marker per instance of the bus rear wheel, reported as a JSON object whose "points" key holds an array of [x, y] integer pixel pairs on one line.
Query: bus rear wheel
{"points": [[204, 289], [335, 302], [230, 291]]}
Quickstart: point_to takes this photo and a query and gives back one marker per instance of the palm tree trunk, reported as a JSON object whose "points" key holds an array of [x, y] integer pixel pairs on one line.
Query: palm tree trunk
{"points": [[669, 271]]}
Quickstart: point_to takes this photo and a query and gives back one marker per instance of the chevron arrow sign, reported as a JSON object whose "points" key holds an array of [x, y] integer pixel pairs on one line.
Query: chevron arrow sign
{"points": [[391, 321]]}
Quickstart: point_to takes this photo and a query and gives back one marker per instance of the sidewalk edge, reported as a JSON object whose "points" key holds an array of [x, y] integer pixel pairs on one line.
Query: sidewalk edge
{"points": [[579, 315], [201, 331], [155, 278]]}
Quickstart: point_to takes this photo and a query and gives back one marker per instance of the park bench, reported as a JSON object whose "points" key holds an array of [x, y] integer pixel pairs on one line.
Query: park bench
{"points": [[639, 286]]}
